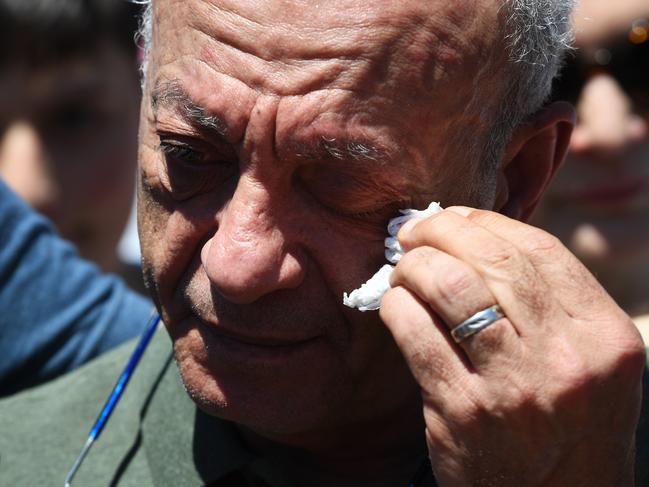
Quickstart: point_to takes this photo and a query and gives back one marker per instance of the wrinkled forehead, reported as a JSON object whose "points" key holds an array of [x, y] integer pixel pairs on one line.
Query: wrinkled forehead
{"points": [[289, 47]]}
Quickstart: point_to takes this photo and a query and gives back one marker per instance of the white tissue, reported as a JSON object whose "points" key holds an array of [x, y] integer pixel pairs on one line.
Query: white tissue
{"points": [[368, 296]]}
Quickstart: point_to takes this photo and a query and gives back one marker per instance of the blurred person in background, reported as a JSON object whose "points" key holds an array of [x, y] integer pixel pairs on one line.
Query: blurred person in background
{"points": [[69, 102], [57, 310], [599, 202]]}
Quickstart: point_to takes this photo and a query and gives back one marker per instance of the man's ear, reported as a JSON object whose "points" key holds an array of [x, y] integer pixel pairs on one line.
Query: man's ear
{"points": [[537, 149]]}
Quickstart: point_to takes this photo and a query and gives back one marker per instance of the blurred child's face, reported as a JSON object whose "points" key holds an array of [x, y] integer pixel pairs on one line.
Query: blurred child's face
{"points": [[599, 202], [68, 144]]}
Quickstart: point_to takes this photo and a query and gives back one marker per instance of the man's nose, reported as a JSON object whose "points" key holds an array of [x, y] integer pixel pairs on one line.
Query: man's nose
{"points": [[25, 167], [607, 123], [251, 254]]}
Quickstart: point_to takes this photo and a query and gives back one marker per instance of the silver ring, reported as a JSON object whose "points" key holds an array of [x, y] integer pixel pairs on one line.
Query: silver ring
{"points": [[478, 322]]}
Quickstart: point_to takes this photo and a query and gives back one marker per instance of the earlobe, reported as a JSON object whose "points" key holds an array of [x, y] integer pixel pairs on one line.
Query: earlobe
{"points": [[536, 151]]}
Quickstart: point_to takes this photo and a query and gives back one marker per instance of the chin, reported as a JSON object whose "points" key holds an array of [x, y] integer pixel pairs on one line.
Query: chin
{"points": [[289, 394]]}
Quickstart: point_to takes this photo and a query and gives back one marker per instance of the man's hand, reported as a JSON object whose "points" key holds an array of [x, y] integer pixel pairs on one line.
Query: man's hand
{"points": [[548, 395]]}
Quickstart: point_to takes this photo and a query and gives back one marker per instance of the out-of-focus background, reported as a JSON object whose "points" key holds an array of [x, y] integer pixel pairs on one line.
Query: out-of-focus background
{"points": [[599, 202], [69, 104]]}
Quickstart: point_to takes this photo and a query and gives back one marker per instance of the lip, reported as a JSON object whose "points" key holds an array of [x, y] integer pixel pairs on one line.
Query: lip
{"points": [[257, 340], [253, 352]]}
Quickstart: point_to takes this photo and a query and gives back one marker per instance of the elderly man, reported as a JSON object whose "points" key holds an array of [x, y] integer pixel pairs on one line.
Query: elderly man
{"points": [[276, 140]]}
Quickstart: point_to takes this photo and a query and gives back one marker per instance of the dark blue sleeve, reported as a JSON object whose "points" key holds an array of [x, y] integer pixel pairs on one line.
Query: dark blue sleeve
{"points": [[57, 310]]}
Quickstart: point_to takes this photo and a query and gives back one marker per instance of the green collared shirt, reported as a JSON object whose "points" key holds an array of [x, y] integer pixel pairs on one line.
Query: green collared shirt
{"points": [[156, 435]]}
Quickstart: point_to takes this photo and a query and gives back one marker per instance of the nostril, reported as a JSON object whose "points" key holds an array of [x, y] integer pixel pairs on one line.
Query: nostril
{"points": [[205, 251], [242, 272]]}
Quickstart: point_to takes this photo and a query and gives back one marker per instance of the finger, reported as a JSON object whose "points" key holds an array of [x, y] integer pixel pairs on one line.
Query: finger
{"points": [[455, 292], [566, 276], [434, 359], [514, 282]]}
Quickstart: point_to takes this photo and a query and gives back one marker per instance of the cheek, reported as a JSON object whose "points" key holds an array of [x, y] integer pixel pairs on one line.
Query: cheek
{"points": [[151, 222], [171, 242], [345, 252]]}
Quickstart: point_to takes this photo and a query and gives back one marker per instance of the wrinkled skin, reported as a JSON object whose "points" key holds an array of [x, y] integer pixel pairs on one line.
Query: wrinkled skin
{"points": [[269, 169]]}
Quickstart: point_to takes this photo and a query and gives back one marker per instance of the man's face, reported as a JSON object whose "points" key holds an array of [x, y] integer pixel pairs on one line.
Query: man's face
{"points": [[68, 143], [277, 140]]}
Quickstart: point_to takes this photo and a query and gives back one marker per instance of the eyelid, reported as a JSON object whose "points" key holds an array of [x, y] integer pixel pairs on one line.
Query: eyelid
{"points": [[179, 148], [198, 142], [180, 137], [382, 213], [173, 149]]}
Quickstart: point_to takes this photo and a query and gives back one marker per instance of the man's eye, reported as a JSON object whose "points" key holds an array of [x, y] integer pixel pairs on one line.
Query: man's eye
{"points": [[194, 167], [381, 214], [181, 152]]}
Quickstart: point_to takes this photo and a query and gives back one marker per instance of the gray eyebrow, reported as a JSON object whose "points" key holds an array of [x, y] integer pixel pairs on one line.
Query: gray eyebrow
{"points": [[344, 149], [171, 94], [351, 149]]}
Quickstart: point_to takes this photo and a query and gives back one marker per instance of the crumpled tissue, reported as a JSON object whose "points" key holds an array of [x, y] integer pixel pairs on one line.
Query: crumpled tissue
{"points": [[368, 296]]}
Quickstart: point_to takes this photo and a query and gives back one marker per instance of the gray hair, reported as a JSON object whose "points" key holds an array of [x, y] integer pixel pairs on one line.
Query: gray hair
{"points": [[145, 33], [539, 34]]}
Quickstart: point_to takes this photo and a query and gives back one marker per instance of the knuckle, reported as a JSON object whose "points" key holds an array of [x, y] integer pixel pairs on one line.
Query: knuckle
{"points": [[576, 380], [514, 397], [432, 369], [440, 223], [581, 382], [575, 370], [501, 255], [630, 357], [421, 356], [541, 243], [422, 231], [412, 263], [522, 399], [414, 258], [483, 217], [454, 282], [466, 410], [622, 354]]}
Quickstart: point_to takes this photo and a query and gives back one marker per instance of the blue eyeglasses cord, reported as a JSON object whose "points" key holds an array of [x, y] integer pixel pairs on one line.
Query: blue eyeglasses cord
{"points": [[115, 395]]}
